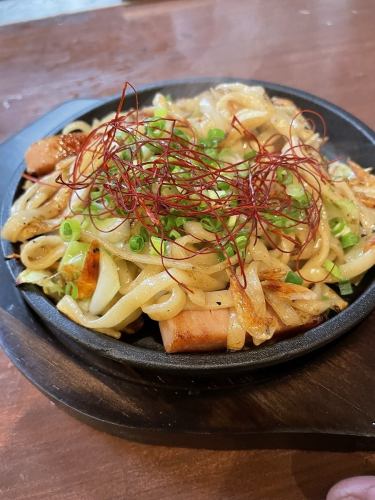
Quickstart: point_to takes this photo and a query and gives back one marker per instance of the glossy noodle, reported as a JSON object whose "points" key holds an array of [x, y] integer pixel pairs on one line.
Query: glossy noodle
{"points": [[219, 202]]}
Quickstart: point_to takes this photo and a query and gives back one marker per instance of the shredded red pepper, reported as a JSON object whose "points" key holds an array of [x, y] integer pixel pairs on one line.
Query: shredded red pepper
{"points": [[135, 189]]}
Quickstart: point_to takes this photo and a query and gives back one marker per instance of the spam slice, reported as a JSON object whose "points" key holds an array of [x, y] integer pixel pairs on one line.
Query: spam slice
{"points": [[192, 331], [42, 156]]}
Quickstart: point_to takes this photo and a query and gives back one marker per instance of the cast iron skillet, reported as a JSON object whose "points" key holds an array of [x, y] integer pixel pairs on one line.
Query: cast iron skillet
{"points": [[348, 138]]}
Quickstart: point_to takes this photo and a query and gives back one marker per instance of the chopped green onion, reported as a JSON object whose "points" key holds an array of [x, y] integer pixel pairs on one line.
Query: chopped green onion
{"points": [[168, 222], [294, 278], [136, 243], [95, 207], [279, 220], [159, 124], [349, 240], [215, 195], [241, 241], [125, 154], [230, 251], [226, 155], [223, 185], [333, 269], [337, 225], [211, 152], [107, 199], [144, 233], [155, 128], [155, 148], [158, 246], [113, 170], [120, 211], [94, 195], [180, 221], [284, 176], [210, 224], [160, 112], [204, 143], [243, 170], [232, 221], [250, 155], [71, 289], [169, 190], [146, 154], [174, 234], [215, 135], [181, 172], [295, 191], [298, 194], [180, 133], [70, 230], [220, 254], [120, 136], [345, 288]]}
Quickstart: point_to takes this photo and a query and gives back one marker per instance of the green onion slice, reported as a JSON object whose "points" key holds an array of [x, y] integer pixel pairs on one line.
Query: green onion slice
{"points": [[160, 112], [337, 225], [241, 241], [71, 289], [215, 135], [229, 250], [181, 134], [136, 243], [210, 224], [295, 191], [333, 269], [222, 185], [284, 176], [70, 230], [294, 278], [174, 234], [158, 246], [345, 288], [169, 222], [349, 240], [250, 155], [232, 220], [180, 221], [144, 233]]}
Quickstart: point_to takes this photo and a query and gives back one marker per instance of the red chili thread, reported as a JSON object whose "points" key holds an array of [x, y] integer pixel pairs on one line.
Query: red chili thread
{"points": [[137, 188]]}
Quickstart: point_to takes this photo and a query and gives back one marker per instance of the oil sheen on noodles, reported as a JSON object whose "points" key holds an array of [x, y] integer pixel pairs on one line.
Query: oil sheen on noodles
{"points": [[217, 216]]}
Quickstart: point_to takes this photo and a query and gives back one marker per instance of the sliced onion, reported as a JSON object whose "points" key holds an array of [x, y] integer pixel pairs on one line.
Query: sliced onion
{"points": [[107, 286]]}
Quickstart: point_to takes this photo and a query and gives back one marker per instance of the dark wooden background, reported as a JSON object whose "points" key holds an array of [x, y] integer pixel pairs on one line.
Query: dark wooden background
{"points": [[326, 47]]}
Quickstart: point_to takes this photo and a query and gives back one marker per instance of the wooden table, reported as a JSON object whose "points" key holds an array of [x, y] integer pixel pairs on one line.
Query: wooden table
{"points": [[323, 47]]}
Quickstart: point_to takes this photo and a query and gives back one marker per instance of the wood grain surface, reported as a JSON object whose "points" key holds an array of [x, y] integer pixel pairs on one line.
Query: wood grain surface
{"points": [[325, 47]]}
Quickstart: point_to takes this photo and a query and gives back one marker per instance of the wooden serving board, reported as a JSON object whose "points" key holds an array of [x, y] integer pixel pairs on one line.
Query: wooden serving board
{"points": [[324, 401]]}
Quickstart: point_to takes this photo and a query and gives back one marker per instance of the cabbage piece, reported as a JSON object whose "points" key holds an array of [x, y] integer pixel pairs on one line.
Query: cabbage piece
{"points": [[31, 276]]}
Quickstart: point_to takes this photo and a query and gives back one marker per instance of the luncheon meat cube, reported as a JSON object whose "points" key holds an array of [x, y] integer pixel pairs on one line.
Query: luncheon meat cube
{"points": [[42, 156]]}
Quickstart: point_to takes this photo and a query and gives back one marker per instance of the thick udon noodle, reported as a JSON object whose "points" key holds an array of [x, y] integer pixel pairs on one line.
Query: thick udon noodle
{"points": [[131, 283]]}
